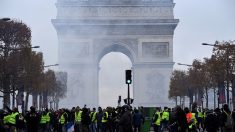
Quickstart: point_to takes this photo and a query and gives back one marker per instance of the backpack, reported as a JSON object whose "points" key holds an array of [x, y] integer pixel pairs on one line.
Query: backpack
{"points": [[229, 121]]}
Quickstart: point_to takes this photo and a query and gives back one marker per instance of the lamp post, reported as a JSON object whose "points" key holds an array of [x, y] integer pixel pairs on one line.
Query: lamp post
{"points": [[5, 19], [227, 69], [50, 65], [209, 44], [189, 94], [184, 64], [32, 47], [42, 100]]}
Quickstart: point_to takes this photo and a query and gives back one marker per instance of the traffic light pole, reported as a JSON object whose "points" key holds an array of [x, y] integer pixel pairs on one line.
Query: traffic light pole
{"points": [[128, 94]]}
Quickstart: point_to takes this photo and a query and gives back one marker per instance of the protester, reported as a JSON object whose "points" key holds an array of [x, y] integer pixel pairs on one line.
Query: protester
{"points": [[32, 120]]}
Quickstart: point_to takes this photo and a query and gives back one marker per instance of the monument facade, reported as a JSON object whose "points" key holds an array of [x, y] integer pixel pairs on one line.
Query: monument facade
{"points": [[141, 29]]}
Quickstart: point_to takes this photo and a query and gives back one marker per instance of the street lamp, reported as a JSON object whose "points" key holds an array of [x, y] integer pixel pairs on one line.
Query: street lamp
{"points": [[227, 69], [50, 65], [189, 93], [33, 47], [5, 19], [184, 64], [209, 44]]}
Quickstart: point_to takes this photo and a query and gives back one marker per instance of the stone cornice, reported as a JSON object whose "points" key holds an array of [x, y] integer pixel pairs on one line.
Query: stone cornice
{"points": [[153, 64], [115, 22], [115, 3]]}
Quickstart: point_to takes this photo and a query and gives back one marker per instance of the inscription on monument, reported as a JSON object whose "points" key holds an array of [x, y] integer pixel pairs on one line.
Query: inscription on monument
{"points": [[155, 49]]}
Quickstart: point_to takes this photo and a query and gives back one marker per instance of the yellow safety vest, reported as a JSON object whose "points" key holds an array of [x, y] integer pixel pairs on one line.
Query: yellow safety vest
{"points": [[200, 115], [78, 116], [48, 118], [105, 117], [165, 115], [204, 115], [93, 118], [43, 119], [158, 121], [12, 119], [194, 121], [62, 119], [6, 119]]}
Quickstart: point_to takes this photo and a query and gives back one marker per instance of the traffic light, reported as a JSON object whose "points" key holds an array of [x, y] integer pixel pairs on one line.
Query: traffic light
{"points": [[128, 77]]}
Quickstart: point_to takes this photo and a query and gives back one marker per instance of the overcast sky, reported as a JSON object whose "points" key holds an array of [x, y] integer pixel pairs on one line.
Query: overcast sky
{"points": [[200, 21]]}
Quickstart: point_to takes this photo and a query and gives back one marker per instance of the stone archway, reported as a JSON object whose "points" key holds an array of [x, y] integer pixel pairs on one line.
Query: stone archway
{"points": [[112, 79], [143, 30], [114, 46]]}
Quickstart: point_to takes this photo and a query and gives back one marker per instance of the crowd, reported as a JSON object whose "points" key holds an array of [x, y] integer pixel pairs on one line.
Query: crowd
{"points": [[195, 120], [77, 119], [120, 119]]}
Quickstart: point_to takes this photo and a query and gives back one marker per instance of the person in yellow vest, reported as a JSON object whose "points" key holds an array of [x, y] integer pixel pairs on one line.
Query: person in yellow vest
{"points": [[93, 120], [204, 118], [63, 120], [6, 118], [104, 121], [200, 119], [165, 119], [43, 122], [191, 120], [13, 119], [156, 120], [48, 120], [77, 119]]}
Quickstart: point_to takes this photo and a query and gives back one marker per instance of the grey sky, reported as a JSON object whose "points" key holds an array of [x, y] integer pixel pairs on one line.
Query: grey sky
{"points": [[200, 21]]}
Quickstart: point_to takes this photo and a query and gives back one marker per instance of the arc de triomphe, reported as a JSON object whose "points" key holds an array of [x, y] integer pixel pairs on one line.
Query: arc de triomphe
{"points": [[141, 29]]}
